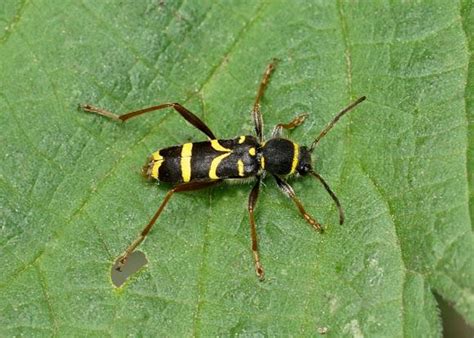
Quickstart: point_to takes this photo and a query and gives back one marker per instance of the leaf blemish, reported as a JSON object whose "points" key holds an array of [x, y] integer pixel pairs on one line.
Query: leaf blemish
{"points": [[134, 263]]}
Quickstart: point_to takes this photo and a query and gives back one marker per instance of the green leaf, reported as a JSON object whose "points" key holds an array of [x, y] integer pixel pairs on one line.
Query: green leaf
{"points": [[72, 197]]}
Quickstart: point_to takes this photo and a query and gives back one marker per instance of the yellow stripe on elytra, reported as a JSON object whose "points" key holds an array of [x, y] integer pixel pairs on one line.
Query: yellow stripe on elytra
{"points": [[156, 156], [186, 153], [215, 162], [240, 168], [296, 154], [158, 160], [262, 162], [217, 146], [155, 168], [241, 139]]}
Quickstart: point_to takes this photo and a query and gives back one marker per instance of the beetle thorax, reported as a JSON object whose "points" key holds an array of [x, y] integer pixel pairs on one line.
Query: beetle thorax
{"points": [[284, 157]]}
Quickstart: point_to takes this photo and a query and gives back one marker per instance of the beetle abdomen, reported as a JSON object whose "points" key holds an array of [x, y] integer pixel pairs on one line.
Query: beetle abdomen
{"points": [[205, 161]]}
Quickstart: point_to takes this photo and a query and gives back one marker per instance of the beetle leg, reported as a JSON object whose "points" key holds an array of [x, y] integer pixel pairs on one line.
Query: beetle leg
{"points": [[256, 114], [188, 116], [253, 231], [297, 121], [179, 188], [288, 191]]}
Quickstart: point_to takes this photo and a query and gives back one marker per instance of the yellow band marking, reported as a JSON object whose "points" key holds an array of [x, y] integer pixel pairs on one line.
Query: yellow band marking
{"points": [[217, 146], [241, 139], [215, 162], [262, 162], [155, 168], [252, 151], [156, 156], [186, 153], [240, 167], [158, 160], [296, 155]]}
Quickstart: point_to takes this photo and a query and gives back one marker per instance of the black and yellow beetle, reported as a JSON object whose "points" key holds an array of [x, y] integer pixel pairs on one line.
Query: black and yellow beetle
{"points": [[199, 165]]}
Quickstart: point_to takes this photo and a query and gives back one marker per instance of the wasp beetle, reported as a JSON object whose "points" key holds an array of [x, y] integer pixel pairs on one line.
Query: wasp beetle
{"points": [[198, 165]]}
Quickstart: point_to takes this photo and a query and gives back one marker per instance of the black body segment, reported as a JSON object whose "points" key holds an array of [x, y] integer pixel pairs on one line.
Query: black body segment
{"points": [[170, 167], [280, 156], [243, 160], [206, 161]]}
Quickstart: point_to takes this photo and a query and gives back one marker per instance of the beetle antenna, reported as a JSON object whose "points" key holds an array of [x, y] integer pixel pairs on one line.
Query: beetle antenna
{"points": [[334, 120], [333, 195]]}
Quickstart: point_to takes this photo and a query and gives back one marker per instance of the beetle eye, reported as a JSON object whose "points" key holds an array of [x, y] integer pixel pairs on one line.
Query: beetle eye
{"points": [[304, 169]]}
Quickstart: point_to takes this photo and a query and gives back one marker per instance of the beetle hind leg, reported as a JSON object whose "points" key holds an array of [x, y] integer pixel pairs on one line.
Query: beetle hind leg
{"points": [[185, 113], [122, 259]]}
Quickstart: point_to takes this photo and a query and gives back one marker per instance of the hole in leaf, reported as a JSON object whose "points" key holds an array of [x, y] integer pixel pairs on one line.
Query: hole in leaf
{"points": [[454, 325], [134, 263]]}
